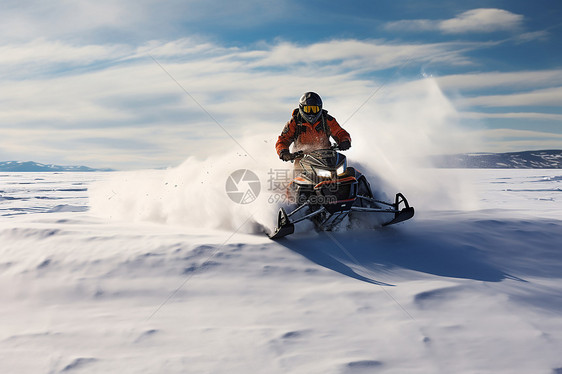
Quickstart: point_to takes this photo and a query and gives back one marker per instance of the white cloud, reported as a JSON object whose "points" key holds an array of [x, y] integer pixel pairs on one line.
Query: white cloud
{"points": [[511, 80], [513, 133], [61, 19], [511, 140], [365, 55], [514, 90], [42, 51], [511, 115], [482, 20], [412, 25], [541, 97], [25, 60], [526, 37], [127, 20]]}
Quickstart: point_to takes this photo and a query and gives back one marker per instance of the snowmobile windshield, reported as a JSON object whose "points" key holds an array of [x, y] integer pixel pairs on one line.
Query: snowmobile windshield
{"points": [[326, 163]]}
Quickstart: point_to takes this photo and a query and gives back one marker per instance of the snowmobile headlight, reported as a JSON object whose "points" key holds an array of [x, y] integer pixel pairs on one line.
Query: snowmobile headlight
{"points": [[341, 169], [324, 173]]}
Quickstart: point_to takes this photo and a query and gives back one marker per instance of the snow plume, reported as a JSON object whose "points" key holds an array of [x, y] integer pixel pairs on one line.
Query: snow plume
{"points": [[393, 134], [396, 133], [194, 193]]}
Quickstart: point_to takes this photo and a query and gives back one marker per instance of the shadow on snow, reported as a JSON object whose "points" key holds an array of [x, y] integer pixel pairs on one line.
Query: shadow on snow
{"points": [[483, 250]]}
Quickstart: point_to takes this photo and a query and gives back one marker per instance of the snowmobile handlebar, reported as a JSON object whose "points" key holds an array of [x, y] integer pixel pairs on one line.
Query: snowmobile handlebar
{"points": [[300, 154]]}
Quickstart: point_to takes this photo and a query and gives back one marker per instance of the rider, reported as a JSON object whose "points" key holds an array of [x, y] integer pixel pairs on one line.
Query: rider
{"points": [[310, 128]]}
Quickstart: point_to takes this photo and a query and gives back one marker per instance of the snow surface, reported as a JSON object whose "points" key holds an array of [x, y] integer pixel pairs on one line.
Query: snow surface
{"points": [[154, 272]]}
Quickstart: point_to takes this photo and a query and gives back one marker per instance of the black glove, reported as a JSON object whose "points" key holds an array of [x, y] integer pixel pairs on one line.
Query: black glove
{"points": [[285, 155], [345, 145]]}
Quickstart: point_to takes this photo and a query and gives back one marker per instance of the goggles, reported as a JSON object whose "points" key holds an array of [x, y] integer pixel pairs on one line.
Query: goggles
{"points": [[311, 109]]}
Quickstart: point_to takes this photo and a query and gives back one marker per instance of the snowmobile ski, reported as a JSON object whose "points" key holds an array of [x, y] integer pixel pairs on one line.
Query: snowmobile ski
{"points": [[284, 226]]}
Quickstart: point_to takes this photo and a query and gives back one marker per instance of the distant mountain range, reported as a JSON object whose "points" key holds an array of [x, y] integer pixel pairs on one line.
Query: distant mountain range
{"points": [[22, 166], [547, 159]]}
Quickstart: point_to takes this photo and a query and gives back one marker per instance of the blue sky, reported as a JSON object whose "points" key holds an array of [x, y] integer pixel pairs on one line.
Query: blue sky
{"points": [[148, 83]]}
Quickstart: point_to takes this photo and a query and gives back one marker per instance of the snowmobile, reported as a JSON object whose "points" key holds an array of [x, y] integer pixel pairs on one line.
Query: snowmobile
{"points": [[327, 190]]}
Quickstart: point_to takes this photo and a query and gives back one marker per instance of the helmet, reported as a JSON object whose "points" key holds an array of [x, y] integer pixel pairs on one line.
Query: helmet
{"points": [[310, 107]]}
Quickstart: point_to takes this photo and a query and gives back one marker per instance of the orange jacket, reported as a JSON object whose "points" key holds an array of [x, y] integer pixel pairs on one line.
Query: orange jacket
{"points": [[309, 137]]}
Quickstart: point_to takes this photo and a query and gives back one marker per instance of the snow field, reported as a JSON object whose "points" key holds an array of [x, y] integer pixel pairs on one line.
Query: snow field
{"points": [[460, 290]]}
